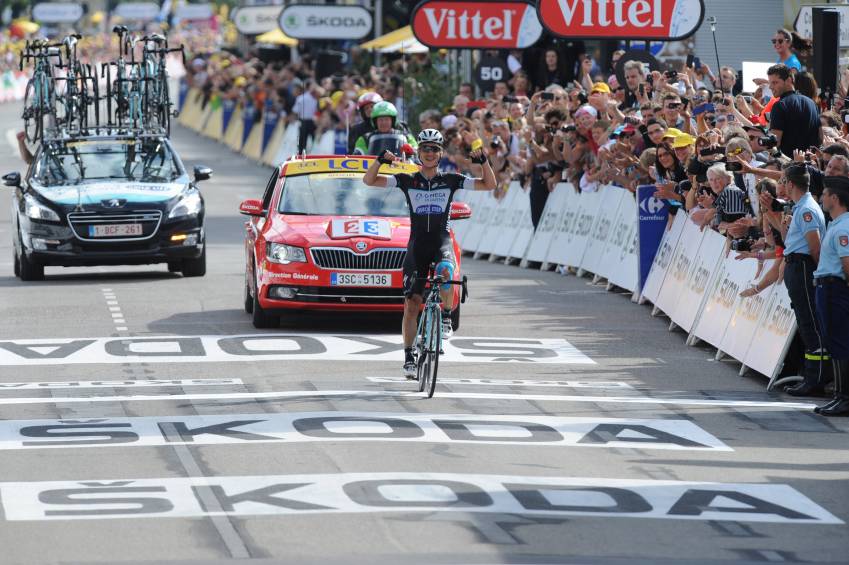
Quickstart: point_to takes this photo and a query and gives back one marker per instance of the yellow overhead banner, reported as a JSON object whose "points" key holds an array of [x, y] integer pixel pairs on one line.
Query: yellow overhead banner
{"points": [[343, 165]]}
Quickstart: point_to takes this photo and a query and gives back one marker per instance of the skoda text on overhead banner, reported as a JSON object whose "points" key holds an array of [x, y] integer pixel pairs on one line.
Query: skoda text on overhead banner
{"points": [[652, 216], [623, 19], [478, 25]]}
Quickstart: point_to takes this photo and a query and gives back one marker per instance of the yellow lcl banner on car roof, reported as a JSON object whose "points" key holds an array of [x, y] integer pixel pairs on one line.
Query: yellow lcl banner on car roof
{"points": [[344, 165]]}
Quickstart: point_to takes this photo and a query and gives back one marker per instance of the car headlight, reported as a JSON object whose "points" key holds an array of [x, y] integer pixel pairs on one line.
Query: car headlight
{"points": [[38, 211], [189, 205], [285, 254]]}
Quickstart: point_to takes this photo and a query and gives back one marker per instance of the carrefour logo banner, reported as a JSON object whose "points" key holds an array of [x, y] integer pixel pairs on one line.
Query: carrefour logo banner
{"points": [[652, 219]]}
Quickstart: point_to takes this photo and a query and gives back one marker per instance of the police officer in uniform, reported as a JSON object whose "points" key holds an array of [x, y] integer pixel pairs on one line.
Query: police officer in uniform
{"points": [[801, 253], [832, 292]]}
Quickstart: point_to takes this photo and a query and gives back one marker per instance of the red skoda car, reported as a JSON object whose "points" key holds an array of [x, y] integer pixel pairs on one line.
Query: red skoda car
{"points": [[320, 239]]}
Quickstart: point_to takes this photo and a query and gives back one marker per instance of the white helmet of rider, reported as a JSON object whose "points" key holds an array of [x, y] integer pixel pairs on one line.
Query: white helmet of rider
{"points": [[431, 136]]}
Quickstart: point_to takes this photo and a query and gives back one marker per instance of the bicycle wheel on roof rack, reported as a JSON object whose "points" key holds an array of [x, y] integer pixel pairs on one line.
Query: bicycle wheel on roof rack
{"points": [[33, 116]]}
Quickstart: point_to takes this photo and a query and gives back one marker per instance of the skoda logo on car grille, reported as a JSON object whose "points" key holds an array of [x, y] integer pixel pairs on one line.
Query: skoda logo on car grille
{"points": [[114, 202], [361, 246]]}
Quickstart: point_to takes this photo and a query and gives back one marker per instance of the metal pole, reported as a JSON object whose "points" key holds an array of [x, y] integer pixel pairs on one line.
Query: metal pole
{"points": [[378, 26], [712, 21]]}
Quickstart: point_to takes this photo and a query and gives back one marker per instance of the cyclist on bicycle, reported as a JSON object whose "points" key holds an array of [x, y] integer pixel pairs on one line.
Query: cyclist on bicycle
{"points": [[429, 193]]}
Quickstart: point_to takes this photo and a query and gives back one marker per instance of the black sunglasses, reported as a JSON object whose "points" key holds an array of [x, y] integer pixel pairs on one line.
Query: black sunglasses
{"points": [[429, 149]]}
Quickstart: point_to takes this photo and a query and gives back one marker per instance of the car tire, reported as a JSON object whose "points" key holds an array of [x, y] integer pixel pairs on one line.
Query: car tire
{"points": [[249, 299], [455, 318], [30, 270], [195, 267], [174, 266], [16, 264], [260, 317]]}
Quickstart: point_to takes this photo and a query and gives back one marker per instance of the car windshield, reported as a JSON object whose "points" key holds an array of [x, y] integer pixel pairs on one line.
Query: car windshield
{"points": [[339, 194], [80, 161]]}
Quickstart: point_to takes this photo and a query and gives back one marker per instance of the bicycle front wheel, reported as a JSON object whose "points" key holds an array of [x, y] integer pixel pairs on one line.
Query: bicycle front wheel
{"points": [[432, 340]]}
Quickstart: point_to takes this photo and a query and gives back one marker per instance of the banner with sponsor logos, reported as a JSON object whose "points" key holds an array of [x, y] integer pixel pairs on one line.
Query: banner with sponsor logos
{"points": [[773, 334], [611, 199], [538, 251], [619, 262], [652, 221], [504, 237], [476, 24], [679, 268], [746, 318], [637, 19], [315, 21], [691, 297], [731, 278], [650, 289]]}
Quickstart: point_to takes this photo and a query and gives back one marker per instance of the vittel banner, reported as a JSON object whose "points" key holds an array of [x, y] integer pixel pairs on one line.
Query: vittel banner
{"points": [[625, 19], [479, 25]]}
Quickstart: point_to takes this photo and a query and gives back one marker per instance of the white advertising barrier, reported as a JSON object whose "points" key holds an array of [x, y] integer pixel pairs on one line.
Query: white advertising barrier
{"points": [[548, 222], [510, 227], [620, 261], [289, 144], [494, 227], [731, 278], [503, 237], [691, 299], [460, 228], [611, 199], [773, 334], [748, 312], [572, 234], [485, 209], [662, 259], [524, 231], [473, 198], [679, 268], [324, 145]]}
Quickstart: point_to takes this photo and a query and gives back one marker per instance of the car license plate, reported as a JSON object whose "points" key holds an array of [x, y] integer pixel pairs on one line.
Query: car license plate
{"points": [[115, 230], [361, 279]]}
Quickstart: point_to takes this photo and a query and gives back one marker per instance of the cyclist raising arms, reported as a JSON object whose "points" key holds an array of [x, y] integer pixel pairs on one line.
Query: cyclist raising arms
{"points": [[429, 193]]}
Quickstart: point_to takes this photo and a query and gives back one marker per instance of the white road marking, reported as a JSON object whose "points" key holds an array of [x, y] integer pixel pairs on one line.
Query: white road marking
{"points": [[295, 427], [357, 394], [406, 493], [279, 347], [114, 309], [515, 382], [118, 384]]}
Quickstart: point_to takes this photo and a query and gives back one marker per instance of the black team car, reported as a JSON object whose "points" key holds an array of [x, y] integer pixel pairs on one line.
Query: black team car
{"points": [[108, 200]]}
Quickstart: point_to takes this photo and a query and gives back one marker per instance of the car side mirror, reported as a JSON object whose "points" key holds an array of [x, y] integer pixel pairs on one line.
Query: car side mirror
{"points": [[460, 211], [12, 179], [202, 173], [251, 207]]}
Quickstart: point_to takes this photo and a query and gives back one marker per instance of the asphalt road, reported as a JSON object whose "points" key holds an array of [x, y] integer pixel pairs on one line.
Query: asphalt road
{"points": [[608, 442]]}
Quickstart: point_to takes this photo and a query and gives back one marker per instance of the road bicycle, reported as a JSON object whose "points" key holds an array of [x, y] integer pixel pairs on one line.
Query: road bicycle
{"points": [[80, 92], [428, 343], [157, 100], [39, 96], [127, 87]]}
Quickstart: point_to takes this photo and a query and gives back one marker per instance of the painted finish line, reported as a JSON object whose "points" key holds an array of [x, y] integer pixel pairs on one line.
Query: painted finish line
{"points": [[408, 492], [375, 394], [357, 426], [612, 385], [120, 384], [277, 347]]}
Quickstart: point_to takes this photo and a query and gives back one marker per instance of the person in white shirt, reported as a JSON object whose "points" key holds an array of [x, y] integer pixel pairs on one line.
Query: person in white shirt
{"points": [[304, 110]]}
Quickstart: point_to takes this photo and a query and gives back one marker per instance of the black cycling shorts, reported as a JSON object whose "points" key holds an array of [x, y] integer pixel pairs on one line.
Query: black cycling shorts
{"points": [[419, 257]]}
